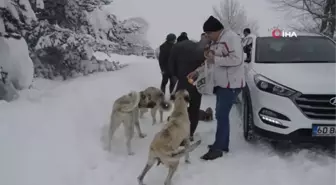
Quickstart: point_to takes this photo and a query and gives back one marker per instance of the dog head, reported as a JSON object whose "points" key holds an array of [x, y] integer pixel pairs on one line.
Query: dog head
{"points": [[154, 96], [154, 92], [144, 100], [179, 95]]}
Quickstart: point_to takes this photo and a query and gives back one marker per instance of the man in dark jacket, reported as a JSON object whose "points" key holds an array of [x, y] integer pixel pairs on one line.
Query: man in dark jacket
{"points": [[185, 57], [182, 37], [247, 44], [164, 54]]}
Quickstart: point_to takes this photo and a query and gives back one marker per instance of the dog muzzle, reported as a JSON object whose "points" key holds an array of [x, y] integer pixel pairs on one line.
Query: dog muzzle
{"points": [[151, 105]]}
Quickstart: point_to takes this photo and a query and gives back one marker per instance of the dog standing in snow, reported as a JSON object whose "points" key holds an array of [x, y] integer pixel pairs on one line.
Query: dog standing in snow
{"points": [[155, 96], [165, 147]]}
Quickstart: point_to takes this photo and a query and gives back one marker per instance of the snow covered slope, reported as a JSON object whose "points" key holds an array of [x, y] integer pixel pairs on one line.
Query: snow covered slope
{"points": [[51, 136]]}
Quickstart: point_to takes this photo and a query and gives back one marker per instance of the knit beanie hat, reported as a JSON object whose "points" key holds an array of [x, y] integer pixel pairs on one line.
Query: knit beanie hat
{"points": [[212, 25], [171, 37]]}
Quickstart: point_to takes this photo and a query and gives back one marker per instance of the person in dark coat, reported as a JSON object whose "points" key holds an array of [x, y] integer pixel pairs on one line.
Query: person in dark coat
{"points": [[247, 45], [164, 54], [185, 57], [182, 37]]}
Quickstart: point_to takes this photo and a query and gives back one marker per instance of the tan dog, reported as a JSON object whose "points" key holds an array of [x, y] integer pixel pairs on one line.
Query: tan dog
{"points": [[125, 110], [155, 97], [165, 147]]}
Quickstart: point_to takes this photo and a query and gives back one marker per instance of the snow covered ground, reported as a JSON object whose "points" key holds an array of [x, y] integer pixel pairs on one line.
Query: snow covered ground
{"points": [[51, 136]]}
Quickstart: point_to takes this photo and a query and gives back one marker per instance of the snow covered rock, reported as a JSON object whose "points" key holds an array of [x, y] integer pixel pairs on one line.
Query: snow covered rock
{"points": [[7, 91], [16, 62]]}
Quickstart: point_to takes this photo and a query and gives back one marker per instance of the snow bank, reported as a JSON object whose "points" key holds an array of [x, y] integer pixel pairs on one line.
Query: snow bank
{"points": [[16, 62], [123, 59]]}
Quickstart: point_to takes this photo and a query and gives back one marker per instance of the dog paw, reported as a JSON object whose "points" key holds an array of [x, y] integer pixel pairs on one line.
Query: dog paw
{"points": [[131, 153], [187, 161], [142, 135], [167, 183], [140, 182]]}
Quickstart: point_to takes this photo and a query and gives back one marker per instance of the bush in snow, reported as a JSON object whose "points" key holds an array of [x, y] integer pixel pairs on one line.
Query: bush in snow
{"points": [[15, 18], [62, 52], [63, 34], [115, 36], [76, 28], [16, 62]]}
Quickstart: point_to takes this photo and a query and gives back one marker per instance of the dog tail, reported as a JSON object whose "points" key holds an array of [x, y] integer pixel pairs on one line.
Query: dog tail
{"points": [[182, 150], [135, 99]]}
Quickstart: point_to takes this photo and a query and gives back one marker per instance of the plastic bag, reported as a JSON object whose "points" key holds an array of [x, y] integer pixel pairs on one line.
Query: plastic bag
{"points": [[205, 79]]}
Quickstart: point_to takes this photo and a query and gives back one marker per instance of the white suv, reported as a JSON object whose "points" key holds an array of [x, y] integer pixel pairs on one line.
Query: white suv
{"points": [[291, 90]]}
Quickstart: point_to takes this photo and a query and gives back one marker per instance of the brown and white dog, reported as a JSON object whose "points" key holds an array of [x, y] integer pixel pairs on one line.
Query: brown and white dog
{"points": [[165, 147]]}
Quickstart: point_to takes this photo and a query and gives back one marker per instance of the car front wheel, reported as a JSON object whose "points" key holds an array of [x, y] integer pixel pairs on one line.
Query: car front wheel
{"points": [[247, 119]]}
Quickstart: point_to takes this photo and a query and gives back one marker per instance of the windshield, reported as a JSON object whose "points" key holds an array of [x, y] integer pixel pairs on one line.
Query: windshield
{"points": [[302, 49]]}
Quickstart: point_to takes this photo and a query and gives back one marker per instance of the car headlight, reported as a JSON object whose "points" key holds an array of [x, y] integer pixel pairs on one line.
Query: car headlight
{"points": [[269, 86]]}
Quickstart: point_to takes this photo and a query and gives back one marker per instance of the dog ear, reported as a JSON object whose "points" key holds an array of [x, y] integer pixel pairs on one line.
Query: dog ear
{"points": [[187, 98], [172, 97]]}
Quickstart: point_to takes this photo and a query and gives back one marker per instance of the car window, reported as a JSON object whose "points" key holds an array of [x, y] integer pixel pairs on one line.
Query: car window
{"points": [[303, 49]]}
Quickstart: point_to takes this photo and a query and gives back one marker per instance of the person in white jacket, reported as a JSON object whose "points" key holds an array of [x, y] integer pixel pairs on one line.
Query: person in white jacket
{"points": [[226, 53]]}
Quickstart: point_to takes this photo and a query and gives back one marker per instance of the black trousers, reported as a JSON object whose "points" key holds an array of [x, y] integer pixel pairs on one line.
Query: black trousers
{"points": [[194, 105], [165, 79]]}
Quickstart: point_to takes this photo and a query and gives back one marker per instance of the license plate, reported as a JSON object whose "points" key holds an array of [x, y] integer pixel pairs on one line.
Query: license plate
{"points": [[324, 130]]}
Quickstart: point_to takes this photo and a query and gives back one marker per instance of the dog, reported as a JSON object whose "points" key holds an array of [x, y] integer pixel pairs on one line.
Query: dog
{"points": [[126, 110], [165, 147], [206, 115], [155, 96]]}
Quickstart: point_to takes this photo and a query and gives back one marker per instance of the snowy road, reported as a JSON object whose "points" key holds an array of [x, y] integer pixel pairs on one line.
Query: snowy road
{"points": [[51, 136]]}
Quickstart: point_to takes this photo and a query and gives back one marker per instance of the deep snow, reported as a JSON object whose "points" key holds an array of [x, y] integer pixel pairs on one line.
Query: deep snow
{"points": [[51, 136]]}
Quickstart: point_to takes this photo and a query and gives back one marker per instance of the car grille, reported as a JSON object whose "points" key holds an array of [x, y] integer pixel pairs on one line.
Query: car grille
{"points": [[317, 106]]}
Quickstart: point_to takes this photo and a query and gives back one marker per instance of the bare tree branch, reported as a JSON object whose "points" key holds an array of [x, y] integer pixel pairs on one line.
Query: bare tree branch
{"points": [[233, 14], [312, 15]]}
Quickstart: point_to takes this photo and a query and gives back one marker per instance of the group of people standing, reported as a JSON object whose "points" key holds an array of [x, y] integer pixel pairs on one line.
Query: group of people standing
{"points": [[180, 58]]}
